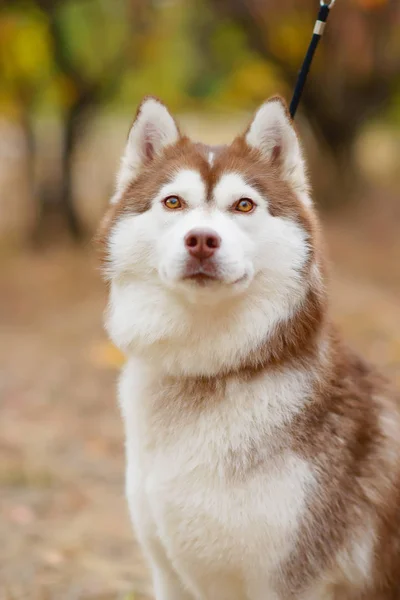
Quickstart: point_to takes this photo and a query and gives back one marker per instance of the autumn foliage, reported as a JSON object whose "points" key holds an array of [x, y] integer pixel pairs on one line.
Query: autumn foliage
{"points": [[75, 59]]}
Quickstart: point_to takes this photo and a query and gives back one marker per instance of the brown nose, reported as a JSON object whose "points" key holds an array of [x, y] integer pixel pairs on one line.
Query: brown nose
{"points": [[202, 243]]}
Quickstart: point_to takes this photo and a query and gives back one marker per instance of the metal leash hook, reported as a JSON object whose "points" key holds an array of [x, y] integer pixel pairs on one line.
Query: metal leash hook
{"points": [[319, 27]]}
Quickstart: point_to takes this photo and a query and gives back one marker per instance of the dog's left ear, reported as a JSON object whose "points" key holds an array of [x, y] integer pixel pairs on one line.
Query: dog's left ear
{"points": [[272, 133], [153, 129]]}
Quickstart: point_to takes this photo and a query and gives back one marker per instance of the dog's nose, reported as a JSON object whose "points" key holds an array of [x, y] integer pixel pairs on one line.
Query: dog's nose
{"points": [[202, 243]]}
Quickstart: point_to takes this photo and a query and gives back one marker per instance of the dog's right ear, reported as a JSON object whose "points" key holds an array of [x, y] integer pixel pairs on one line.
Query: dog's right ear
{"points": [[152, 130]]}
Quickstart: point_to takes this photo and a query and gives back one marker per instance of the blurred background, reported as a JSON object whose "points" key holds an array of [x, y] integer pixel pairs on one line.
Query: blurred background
{"points": [[71, 75]]}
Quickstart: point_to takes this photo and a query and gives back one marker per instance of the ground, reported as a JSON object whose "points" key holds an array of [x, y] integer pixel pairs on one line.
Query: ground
{"points": [[63, 521]]}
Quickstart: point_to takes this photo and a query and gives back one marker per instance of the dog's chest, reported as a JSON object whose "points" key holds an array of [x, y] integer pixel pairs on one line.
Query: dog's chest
{"points": [[211, 486], [195, 510]]}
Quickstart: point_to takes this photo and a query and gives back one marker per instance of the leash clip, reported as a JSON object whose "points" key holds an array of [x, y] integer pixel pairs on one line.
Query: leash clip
{"points": [[329, 4]]}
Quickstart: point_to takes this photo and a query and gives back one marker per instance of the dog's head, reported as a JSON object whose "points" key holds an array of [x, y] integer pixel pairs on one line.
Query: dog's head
{"points": [[201, 242]]}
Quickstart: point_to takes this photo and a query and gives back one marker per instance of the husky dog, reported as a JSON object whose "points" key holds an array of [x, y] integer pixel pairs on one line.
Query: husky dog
{"points": [[263, 456]]}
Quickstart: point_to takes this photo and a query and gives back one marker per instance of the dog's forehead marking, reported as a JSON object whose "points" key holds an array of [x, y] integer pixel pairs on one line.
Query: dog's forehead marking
{"points": [[193, 186], [211, 156]]}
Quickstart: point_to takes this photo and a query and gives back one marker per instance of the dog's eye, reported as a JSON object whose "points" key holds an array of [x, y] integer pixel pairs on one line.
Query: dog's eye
{"points": [[244, 205], [173, 202]]}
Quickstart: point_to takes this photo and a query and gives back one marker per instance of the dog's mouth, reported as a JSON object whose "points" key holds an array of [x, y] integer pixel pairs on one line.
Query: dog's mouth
{"points": [[201, 276], [201, 272], [201, 279], [206, 274]]}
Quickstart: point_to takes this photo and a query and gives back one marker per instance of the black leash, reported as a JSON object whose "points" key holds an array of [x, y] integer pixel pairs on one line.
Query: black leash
{"points": [[319, 27]]}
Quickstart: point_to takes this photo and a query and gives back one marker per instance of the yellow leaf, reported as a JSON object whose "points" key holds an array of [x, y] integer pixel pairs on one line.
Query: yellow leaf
{"points": [[129, 596], [105, 354]]}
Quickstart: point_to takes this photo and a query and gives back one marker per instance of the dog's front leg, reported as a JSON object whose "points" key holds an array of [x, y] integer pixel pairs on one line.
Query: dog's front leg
{"points": [[167, 585], [166, 582]]}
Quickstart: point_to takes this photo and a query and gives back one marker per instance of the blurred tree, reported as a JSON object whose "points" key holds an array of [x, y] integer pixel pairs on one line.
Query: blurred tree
{"points": [[72, 58], [25, 65], [92, 41], [356, 71], [166, 56], [227, 72], [74, 55]]}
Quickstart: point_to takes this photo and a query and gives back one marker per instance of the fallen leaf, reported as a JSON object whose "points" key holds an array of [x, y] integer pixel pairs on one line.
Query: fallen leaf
{"points": [[105, 354]]}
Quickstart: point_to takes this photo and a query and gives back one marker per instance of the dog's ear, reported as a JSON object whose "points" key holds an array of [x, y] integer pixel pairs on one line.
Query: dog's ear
{"points": [[272, 133], [152, 130]]}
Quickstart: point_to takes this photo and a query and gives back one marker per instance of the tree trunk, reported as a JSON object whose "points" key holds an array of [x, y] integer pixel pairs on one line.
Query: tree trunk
{"points": [[73, 125], [56, 209]]}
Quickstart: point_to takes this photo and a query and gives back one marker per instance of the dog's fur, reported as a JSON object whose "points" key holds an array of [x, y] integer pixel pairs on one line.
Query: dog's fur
{"points": [[263, 456]]}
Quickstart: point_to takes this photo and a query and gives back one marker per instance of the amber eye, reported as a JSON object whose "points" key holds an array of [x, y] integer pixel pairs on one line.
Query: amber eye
{"points": [[173, 202], [244, 205]]}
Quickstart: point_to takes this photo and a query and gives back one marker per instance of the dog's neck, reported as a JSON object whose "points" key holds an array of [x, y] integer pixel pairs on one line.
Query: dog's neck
{"points": [[274, 382], [216, 348], [295, 340]]}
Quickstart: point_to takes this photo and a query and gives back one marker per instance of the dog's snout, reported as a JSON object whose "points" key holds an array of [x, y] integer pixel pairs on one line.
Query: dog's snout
{"points": [[202, 243]]}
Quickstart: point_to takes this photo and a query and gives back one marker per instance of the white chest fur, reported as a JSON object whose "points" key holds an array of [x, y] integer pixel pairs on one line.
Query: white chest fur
{"points": [[215, 496]]}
